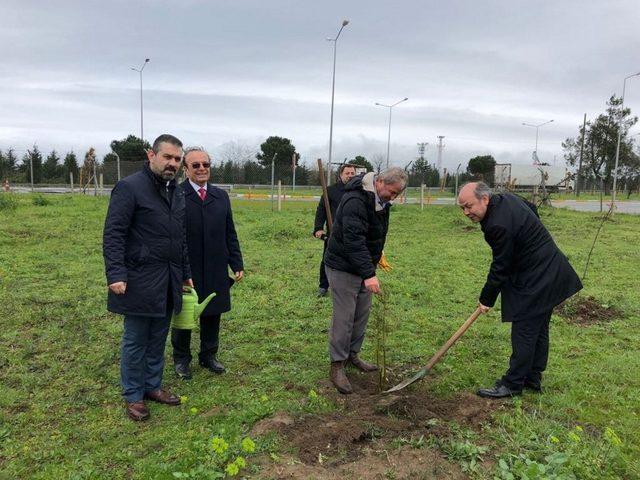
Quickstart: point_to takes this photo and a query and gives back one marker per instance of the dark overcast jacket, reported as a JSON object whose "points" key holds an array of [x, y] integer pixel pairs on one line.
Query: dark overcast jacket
{"points": [[359, 231], [213, 245], [144, 245], [528, 269]]}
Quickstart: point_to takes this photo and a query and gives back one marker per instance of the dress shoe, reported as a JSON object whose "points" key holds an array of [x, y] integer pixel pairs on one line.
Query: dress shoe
{"points": [[536, 387], [213, 365], [183, 371], [163, 396], [361, 364], [339, 378], [322, 292], [498, 391], [137, 411]]}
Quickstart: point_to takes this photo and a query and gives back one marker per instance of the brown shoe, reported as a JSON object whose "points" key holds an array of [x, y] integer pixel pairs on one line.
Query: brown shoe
{"points": [[163, 396], [361, 364], [339, 378], [137, 411]]}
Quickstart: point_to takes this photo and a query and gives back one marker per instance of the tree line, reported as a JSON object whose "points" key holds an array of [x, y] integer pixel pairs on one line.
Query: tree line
{"points": [[238, 163]]}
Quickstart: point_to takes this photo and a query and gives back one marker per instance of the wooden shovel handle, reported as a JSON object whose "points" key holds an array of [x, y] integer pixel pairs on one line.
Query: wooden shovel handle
{"points": [[454, 338]]}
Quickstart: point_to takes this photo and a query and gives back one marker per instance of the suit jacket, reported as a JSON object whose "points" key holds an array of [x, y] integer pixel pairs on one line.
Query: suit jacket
{"points": [[528, 269], [213, 245], [144, 245]]}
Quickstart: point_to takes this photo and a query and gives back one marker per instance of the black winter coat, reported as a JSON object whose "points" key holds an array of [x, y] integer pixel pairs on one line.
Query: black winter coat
{"points": [[335, 193], [528, 269], [144, 245], [213, 245], [359, 232]]}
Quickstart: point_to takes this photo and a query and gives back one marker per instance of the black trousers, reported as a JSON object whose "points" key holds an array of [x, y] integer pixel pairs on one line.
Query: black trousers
{"points": [[209, 340], [324, 281], [529, 351]]}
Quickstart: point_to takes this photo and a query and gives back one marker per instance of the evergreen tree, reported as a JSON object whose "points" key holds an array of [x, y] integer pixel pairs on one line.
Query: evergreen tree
{"points": [[70, 165], [51, 169]]}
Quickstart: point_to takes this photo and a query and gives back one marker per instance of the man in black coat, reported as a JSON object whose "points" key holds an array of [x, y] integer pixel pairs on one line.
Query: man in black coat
{"points": [[146, 264], [213, 249], [530, 272], [334, 193], [354, 250]]}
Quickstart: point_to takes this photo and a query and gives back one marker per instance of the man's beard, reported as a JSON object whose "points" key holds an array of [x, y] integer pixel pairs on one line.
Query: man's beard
{"points": [[169, 174]]}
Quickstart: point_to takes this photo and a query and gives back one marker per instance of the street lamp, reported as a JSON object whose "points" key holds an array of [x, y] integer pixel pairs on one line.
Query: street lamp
{"points": [[536, 127], [139, 70], [390, 107], [333, 91], [615, 169]]}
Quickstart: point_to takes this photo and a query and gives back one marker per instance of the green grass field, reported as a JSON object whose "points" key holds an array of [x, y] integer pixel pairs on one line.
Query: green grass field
{"points": [[61, 411]]}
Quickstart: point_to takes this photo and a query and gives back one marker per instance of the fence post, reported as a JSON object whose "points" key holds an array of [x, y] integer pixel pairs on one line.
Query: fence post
{"points": [[279, 197], [101, 181], [422, 196], [71, 180]]}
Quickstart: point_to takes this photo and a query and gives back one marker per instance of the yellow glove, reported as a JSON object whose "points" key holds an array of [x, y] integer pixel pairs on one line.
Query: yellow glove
{"points": [[383, 264]]}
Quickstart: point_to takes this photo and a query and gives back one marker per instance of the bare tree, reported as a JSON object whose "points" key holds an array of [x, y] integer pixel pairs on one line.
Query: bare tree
{"points": [[378, 160], [237, 151]]}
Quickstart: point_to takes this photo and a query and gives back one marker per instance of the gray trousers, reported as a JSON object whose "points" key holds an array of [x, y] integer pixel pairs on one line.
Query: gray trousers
{"points": [[351, 307]]}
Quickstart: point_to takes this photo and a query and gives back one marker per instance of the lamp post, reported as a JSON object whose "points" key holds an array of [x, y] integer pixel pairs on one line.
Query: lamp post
{"points": [[536, 127], [140, 70], [390, 107], [615, 169], [333, 91]]}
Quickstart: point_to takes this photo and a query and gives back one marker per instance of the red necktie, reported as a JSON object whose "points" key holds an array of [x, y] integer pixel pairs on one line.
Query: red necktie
{"points": [[203, 193]]}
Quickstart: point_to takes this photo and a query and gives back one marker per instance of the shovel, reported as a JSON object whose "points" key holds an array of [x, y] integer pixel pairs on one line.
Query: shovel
{"points": [[454, 338]]}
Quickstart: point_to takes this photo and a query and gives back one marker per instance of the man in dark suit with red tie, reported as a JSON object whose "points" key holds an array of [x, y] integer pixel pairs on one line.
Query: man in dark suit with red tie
{"points": [[213, 250]]}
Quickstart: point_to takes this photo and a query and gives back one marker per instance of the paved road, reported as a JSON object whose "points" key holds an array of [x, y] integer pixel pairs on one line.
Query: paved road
{"points": [[624, 206]]}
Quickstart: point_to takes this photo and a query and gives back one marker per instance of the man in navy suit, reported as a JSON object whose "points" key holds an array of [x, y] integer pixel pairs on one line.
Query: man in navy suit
{"points": [[213, 250], [146, 264]]}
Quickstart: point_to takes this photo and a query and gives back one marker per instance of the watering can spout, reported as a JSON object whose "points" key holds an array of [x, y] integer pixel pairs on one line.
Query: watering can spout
{"points": [[199, 308]]}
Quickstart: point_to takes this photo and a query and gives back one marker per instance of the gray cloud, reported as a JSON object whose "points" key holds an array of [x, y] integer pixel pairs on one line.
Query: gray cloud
{"points": [[223, 71]]}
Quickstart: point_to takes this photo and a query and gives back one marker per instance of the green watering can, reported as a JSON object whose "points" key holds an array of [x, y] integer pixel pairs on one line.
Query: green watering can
{"points": [[188, 317]]}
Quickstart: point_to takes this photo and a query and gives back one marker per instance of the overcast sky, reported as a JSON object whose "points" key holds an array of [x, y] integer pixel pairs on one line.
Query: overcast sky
{"points": [[224, 71]]}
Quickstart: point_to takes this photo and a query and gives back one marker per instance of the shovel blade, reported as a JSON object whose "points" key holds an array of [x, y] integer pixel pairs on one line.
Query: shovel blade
{"points": [[421, 374]]}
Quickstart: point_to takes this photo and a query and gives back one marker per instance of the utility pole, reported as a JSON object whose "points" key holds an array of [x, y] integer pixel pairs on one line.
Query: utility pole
{"points": [[584, 134], [440, 147], [422, 146]]}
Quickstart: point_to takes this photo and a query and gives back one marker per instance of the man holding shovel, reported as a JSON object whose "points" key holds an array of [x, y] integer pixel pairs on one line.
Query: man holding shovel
{"points": [[353, 252], [530, 272], [334, 194]]}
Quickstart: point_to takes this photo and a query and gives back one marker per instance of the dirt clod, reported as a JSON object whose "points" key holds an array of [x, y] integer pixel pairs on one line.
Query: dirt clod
{"points": [[587, 311]]}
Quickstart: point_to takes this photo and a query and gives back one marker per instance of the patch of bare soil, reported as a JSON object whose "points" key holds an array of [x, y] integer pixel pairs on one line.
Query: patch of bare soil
{"points": [[587, 311], [357, 440]]}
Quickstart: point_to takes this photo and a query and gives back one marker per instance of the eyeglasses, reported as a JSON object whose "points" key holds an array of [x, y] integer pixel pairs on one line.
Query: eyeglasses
{"points": [[196, 165]]}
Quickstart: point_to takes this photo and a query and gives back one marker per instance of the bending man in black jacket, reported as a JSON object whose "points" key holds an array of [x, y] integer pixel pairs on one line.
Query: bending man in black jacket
{"points": [[529, 271], [145, 256], [354, 250], [213, 250], [334, 192]]}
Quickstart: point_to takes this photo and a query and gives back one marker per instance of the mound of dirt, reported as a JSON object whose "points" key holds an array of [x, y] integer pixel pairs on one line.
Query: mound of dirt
{"points": [[587, 311], [359, 437]]}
